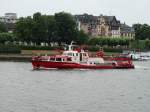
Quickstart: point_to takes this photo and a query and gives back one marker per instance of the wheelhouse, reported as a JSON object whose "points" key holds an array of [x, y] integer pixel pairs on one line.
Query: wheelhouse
{"points": [[60, 59]]}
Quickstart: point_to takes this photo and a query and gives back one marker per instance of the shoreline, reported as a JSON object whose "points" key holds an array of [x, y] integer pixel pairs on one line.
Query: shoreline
{"points": [[15, 57], [25, 57]]}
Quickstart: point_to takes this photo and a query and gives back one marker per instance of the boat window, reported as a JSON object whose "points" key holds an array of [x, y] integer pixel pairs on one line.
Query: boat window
{"points": [[76, 54], [52, 59], [65, 53], [68, 59], [44, 58], [58, 59], [84, 54], [69, 54]]}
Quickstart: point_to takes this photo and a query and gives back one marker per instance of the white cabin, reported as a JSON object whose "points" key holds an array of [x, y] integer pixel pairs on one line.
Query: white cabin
{"points": [[82, 56]]}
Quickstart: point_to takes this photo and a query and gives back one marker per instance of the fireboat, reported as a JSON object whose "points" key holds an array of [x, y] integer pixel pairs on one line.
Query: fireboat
{"points": [[79, 59]]}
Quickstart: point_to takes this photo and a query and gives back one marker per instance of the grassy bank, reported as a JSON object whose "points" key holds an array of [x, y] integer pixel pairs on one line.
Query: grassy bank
{"points": [[15, 49], [15, 57]]}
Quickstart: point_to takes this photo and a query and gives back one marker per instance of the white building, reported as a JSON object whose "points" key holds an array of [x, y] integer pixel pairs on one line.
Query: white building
{"points": [[9, 18]]}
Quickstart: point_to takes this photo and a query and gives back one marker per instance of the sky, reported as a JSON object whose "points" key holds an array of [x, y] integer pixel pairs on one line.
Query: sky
{"points": [[128, 11]]}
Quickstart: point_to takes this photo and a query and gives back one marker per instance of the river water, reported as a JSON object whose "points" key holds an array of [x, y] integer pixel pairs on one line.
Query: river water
{"points": [[25, 90]]}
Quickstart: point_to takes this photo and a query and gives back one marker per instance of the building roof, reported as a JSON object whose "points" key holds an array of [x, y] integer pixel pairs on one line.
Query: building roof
{"points": [[110, 19], [85, 18], [125, 28]]}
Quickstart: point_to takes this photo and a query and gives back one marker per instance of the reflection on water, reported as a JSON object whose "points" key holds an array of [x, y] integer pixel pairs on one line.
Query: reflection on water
{"points": [[25, 90]]}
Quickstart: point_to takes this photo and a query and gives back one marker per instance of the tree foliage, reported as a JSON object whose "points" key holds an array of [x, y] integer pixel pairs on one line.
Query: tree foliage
{"points": [[67, 28], [82, 38], [142, 31], [105, 41], [7, 37], [45, 28], [24, 29], [2, 27]]}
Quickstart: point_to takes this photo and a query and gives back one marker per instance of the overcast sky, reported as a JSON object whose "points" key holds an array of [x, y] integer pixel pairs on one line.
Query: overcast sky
{"points": [[128, 11]]}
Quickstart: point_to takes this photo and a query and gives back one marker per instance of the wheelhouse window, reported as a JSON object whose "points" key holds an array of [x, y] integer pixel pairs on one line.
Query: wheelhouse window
{"points": [[69, 59], [84, 54], [52, 59], [58, 59], [44, 58], [69, 54]]}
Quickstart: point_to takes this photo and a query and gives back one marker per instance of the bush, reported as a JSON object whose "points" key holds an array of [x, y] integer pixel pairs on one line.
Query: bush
{"points": [[140, 44], [9, 49], [17, 48], [102, 41], [38, 48], [93, 48], [7, 37], [115, 50], [107, 49], [147, 44]]}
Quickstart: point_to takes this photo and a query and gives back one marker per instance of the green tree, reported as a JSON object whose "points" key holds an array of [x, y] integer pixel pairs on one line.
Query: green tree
{"points": [[93, 41], [2, 27], [142, 31], [6, 37], [147, 44], [82, 38], [39, 30], [24, 29], [67, 27], [45, 28], [52, 29]]}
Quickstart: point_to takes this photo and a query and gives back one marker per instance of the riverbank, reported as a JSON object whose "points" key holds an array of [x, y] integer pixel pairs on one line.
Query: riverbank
{"points": [[15, 57], [26, 55]]}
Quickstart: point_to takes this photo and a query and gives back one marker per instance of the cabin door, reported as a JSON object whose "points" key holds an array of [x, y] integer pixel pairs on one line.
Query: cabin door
{"points": [[80, 56]]}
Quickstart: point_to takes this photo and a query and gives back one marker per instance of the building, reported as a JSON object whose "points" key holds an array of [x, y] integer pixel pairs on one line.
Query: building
{"points": [[9, 19], [107, 26], [127, 31]]}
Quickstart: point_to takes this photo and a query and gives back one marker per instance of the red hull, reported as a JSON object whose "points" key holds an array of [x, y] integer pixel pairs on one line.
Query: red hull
{"points": [[71, 65]]}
